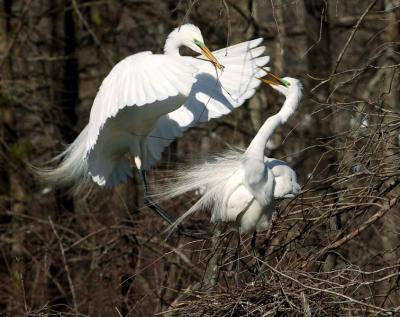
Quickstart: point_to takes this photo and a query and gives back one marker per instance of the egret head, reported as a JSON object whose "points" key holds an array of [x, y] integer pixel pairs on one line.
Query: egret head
{"points": [[286, 85], [190, 36], [292, 87]]}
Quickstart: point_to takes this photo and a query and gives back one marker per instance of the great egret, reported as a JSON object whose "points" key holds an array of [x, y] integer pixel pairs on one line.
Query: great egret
{"points": [[147, 100], [242, 186]]}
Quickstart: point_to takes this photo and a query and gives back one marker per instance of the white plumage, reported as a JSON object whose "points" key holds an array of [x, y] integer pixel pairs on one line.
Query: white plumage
{"points": [[147, 100], [242, 186]]}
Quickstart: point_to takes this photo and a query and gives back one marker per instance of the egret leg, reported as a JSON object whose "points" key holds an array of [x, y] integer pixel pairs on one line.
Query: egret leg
{"points": [[153, 205], [254, 250], [253, 243], [162, 213], [237, 260]]}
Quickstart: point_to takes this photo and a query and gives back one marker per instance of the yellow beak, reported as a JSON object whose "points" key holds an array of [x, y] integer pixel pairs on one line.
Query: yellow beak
{"points": [[207, 53], [272, 79]]}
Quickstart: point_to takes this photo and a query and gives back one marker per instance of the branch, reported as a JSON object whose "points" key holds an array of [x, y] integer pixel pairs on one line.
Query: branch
{"points": [[354, 233], [339, 59], [71, 285], [355, 28], [387, 312], [95, 38]]}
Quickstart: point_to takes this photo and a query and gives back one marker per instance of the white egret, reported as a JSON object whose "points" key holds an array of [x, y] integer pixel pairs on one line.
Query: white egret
{"points": [[241, 187], [147, 100]]}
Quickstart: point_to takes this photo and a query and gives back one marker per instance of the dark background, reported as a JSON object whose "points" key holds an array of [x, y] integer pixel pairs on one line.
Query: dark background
{"points": [[333, 251]]}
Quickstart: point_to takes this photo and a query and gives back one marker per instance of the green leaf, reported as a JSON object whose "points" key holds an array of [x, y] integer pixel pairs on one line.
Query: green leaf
{"points": [[96, 17], [21, 150]]}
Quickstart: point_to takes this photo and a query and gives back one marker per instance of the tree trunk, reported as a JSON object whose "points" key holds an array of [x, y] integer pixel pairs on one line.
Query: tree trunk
{"points": [[69, 91], [319, 66], [11, 168]]}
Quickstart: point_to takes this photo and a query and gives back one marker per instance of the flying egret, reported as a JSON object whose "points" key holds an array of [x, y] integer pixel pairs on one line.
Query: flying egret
{"points": [[147, 100], [241, 187]]}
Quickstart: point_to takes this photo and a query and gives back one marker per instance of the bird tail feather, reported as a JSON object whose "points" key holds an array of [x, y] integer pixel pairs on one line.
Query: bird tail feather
{"points": [[71, 168], [209, 178]]}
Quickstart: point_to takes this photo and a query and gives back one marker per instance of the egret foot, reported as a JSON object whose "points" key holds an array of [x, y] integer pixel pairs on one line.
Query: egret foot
{"points": [[170, 220], [163, 214], [153, 205], [158, 210]]}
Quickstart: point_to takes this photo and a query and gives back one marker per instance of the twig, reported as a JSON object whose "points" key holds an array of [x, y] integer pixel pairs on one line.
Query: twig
{"points": [[354, 233], [355, 28], [71, 285], [95, 38], [16, 33], [341, 54], [353, 300], [320, 34]]}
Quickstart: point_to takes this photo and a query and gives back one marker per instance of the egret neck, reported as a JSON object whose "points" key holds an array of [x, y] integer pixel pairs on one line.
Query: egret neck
{"points": [[172, 45], [257, 145], [190, 37]]}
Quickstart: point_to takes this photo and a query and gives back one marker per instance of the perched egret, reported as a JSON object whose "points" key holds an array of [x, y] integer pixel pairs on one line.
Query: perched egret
{"points": [[147, 100], [241, 186]]}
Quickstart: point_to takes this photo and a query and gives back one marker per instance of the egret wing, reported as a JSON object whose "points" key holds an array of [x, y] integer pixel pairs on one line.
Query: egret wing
{"points": [[213, 94], [138, 80], [218, 93]]}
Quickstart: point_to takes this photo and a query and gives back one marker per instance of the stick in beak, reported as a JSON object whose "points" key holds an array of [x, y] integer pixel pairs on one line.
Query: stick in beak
{"points": [[272, 79], [206, 52]]}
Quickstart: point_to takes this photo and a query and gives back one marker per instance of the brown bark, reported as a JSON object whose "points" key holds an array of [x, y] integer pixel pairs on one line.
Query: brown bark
{"points": [[319, 66], [11, 169]]}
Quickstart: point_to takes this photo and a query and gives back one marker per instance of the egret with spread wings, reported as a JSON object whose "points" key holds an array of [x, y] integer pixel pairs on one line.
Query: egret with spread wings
{"points": [[147, 100]]}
